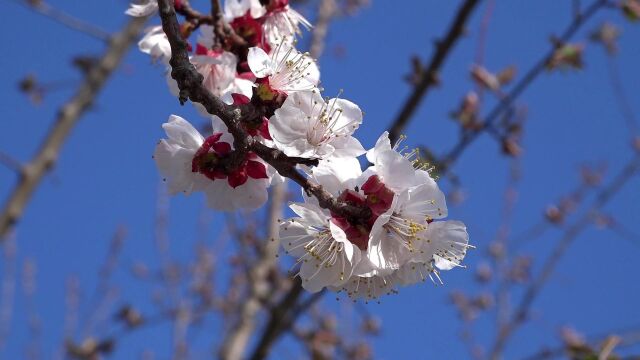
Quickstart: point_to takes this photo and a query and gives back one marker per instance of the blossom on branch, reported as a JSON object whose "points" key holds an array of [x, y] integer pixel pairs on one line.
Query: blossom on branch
{"points": [[308, 126], [282, 24], [155, 43], [145, 9], [325, 255], [401, 242], [219, 71], [191, 162], [364, 233], [237, 8], [284, 70]]}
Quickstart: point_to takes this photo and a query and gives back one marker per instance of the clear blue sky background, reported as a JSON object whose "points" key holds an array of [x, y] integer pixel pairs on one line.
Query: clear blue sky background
{"points": [[105, 176]]}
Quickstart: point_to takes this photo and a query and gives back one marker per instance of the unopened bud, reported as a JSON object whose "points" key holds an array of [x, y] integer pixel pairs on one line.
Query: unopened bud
{"points": [[631, 9], [496, 250], [484, 78], [636, 143], [567, 56], [554, 214], [511, 147], [506, 75], [186, 29], [484, 273]]}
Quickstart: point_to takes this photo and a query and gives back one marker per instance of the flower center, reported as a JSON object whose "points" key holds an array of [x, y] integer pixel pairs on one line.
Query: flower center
{"points": [[249, 29], [290, 70], [324, 127], [210, 158], [377, 197], [206, 160], [277, 5]]}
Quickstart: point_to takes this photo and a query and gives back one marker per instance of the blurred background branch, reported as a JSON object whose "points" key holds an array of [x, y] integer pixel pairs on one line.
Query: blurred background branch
{"points": [[69, 114]]}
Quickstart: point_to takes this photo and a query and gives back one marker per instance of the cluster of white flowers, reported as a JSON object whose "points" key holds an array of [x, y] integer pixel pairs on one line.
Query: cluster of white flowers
{"points": [[403, 239], [402, 242]]}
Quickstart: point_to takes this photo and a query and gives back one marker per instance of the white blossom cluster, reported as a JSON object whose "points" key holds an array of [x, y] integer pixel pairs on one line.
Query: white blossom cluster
{"points": [[404, 239]]}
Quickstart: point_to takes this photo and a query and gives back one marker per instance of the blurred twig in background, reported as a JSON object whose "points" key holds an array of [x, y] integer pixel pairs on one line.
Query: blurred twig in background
{"points": [[65, 19], [32, 173]]}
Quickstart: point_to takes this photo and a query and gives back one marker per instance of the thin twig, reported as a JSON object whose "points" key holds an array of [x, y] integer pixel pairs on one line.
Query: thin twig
{"points": [[502, 238], [10, 162], [29, 286], [628, 337], [65, 19], [7, 288], [68, 116], [572, 232], [621, 96], [429, 77], [483, 32], [482, 41], [192, 14], [102, 296], [218, 23]]}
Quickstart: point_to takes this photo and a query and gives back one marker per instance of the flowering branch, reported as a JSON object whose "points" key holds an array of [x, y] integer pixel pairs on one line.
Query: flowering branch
{"points": [[283, 106], [218, 23], [191, 88]]}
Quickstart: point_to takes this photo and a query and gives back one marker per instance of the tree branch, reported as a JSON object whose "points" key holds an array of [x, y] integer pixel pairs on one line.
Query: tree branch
{"points": [[506, 103], [236, 342], [33, 172], [429, 77], [190, 14], [276, 320]]}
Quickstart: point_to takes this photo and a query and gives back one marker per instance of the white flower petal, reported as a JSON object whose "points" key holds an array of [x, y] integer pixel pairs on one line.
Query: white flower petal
{"points": [[259, 62], [396, 171], [448, 241], [383, 144], [182, 132], [294, 234], [218, 126], [337, 174], [140, 10], [310, 213], [250, 195], [347, 146], [315, 275], [350, 116], [156, 44]]}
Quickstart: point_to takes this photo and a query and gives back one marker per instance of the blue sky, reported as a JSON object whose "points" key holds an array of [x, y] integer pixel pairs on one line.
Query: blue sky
{"points": [[105, 176]]}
